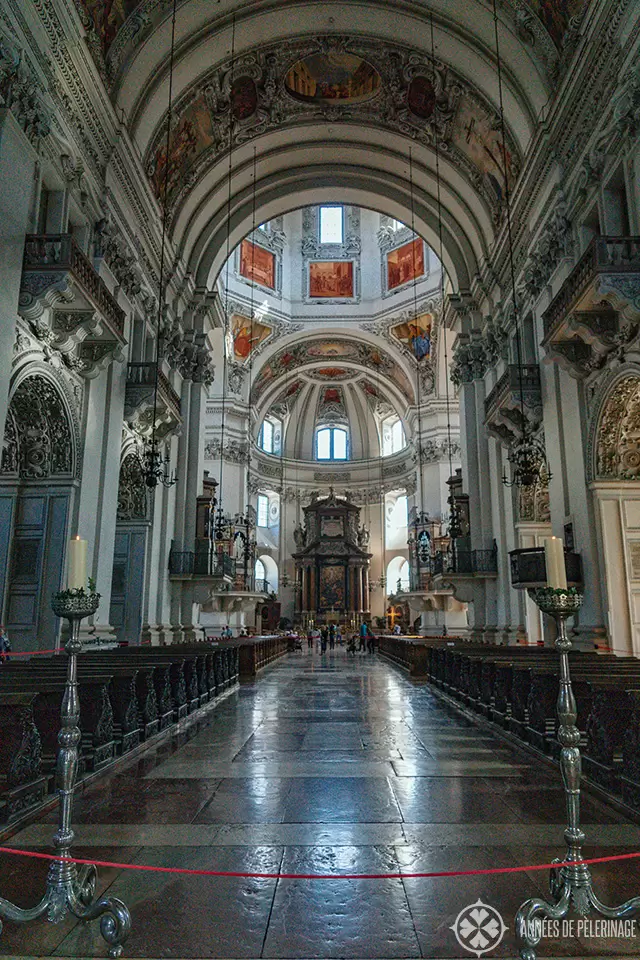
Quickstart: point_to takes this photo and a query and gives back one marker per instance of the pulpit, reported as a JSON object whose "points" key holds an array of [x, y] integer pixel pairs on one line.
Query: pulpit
{"points": [[332, 561]]}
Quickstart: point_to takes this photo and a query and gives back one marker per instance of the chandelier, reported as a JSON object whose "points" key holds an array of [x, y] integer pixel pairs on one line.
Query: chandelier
{"points": [[527, 456], [528, 462], [155, 468]]}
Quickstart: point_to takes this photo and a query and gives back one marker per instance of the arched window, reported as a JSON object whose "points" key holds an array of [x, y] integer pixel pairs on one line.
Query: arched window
{"points": [[332, 443], [262, 519], [270, 436], [393, 436], [397, 575], [260, 574]]}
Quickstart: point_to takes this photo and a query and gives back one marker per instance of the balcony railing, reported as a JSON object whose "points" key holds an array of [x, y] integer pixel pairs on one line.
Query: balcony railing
{"points": [[144, 375], [515, 378], [200, 563], [465, 562], [614, 255], [261, 586], [58, 252]]}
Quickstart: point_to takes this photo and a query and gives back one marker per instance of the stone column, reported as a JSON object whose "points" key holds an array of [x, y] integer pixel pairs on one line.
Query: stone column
{"points": [[96, 510], [17, 175]]}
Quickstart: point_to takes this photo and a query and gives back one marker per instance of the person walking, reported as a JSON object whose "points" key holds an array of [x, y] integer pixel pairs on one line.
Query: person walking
{"points": [[324, 636], [371, 642], [363, 637], [310, 638], [332, 636]]}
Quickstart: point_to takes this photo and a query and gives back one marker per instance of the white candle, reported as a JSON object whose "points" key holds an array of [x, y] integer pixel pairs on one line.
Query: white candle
{"points": [[554, 560], [77, 569]]}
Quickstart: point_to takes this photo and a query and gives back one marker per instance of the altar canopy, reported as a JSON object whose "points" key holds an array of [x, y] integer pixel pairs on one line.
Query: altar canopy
{"points": [[332, 562]]}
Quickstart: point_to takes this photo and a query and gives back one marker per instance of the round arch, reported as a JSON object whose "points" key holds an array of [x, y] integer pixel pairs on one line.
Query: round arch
{"points": [[397, 572], [270, 568], [206, 238], [41, 433], [617, 430]]}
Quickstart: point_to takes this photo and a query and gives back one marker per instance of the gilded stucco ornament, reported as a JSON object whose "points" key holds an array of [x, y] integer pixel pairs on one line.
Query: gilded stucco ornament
{"points": [[618, 434]]}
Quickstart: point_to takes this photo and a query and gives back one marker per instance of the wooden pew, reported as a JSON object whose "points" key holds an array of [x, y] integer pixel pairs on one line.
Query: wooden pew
{"points": [[22, 783]]}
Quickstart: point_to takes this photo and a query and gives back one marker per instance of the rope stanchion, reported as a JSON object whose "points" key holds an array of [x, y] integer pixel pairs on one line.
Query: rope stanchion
{"points": [[28, 653], [186, 871]]}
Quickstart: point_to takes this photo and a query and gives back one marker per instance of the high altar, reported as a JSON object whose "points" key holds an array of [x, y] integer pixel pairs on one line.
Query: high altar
{"points": [[332, 562]]}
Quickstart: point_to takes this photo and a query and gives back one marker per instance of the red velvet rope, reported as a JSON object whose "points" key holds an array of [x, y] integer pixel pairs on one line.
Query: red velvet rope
{"points": [[307, 876]]}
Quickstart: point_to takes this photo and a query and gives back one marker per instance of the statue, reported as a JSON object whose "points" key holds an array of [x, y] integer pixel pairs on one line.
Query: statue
{"points": [[300, 537], [363, 537]]}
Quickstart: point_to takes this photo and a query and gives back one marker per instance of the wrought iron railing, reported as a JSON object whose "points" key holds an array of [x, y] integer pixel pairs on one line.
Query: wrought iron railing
{"points": [[201, 563], [604, 254], [465, 562], [60, 251]]}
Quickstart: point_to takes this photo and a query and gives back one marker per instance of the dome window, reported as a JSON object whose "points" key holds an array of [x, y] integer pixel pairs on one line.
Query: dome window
{"points": [[332, 443], [393, 437]]}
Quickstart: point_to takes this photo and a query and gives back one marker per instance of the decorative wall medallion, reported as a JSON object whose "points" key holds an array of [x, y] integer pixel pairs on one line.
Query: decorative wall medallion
{"points": [[244, 98], [421, 97]]}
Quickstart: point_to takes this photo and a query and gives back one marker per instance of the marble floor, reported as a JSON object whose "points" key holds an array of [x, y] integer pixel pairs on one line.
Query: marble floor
{"points": [[323, 764]]}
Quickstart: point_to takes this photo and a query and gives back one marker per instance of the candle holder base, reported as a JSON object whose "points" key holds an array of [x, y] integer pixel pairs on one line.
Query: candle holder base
{"points": [[570, 883], [70, 890]]}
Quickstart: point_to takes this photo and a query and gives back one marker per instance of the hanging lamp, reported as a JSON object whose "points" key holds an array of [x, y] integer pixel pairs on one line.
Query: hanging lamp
{"points": [[155, 468], [419, 541], [223, 527], [527, 456], [453, 526], [244, 523]]}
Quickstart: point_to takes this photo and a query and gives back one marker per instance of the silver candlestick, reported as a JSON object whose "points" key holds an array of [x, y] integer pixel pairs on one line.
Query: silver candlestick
{"points": [[570, 885], [70, 889]]}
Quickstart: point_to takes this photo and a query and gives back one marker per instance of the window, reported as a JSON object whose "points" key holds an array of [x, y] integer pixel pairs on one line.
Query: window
{"points": [[396, 225], [331, 443], [260, 572], [267, 436], [393, 438], [331, 225], [263, 510], [264, 226], [270, 436]]}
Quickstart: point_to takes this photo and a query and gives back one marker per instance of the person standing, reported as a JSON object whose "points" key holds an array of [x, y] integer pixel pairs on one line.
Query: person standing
{"points": [[324, 636], [310, 638], [332, 636], [5, 644], [363, 637]]}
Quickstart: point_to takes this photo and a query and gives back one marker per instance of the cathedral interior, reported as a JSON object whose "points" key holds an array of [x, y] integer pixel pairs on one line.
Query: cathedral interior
{"points": [[320, 478]]}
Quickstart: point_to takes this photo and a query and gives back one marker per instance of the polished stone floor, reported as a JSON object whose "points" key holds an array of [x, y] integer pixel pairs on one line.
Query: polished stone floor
{"points": [[324, 764]]}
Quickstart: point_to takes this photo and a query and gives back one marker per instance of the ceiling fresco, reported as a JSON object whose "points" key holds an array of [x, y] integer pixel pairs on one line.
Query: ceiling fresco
{"points": [[415, 96], [291, 359], [114, 27]]}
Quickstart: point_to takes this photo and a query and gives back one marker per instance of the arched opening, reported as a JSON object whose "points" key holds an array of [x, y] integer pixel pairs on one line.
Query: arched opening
{"points": [[616, 492], [266, 572], [36, 490], [398, 575]]}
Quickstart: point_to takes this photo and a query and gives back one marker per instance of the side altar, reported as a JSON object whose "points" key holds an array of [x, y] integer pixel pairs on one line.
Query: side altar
{"points": [[332, 562]]}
